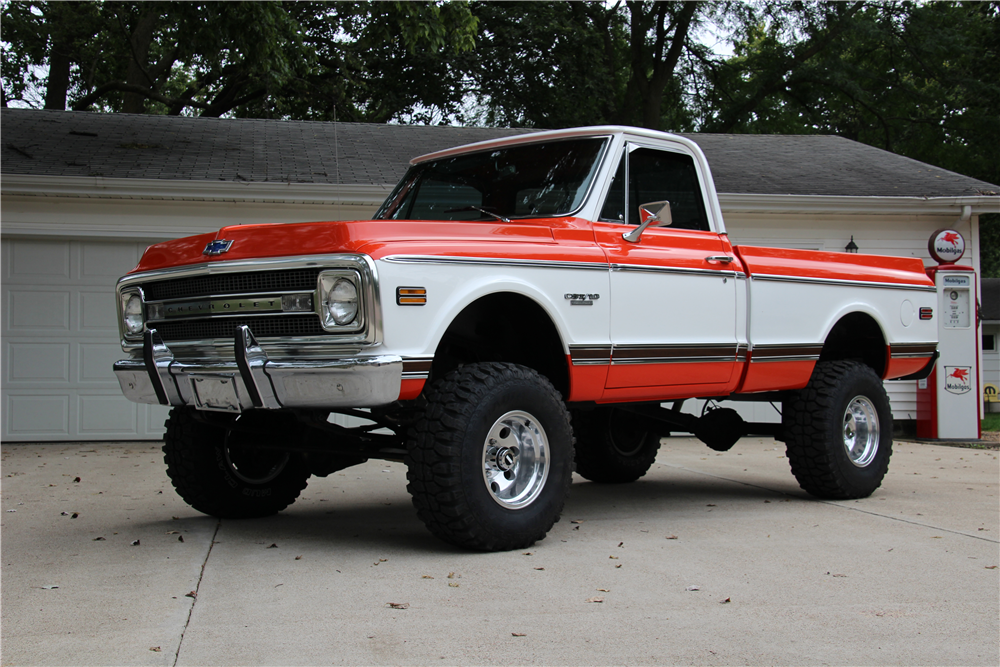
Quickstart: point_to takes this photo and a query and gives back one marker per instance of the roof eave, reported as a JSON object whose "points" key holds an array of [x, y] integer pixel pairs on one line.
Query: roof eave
{"points": [[164, 189], [835, 204]]}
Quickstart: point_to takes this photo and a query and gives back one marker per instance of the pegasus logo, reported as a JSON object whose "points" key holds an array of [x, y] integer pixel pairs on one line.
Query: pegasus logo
{"points": [[952, 238], [957, 379]]}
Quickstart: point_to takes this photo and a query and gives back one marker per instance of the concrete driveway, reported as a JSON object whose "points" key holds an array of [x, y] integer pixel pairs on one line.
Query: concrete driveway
{"points": [[709, 559]]}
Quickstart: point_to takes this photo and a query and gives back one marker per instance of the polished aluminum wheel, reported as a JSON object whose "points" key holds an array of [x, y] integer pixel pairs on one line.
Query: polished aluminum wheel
{"points": [[861, 431], [515, 460]]}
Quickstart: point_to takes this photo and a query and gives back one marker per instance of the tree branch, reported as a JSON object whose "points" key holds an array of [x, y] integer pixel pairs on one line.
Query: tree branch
{"points": [[122, 87]]}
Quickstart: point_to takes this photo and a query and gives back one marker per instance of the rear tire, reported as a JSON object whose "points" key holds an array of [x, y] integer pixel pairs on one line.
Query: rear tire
{"points": [[611, 447], [838, 431], [215, 471], [491, 460]]}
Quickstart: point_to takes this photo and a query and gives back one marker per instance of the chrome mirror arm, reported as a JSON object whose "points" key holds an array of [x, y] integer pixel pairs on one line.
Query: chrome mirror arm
{"points": [[656, 214]]}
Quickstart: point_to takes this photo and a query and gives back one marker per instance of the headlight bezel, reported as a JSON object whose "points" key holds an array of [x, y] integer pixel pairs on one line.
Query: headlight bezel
{"points": [[327, 282], [125, 298]]}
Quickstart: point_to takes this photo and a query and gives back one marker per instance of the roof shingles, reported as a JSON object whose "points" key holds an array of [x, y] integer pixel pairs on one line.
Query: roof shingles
{"points": [[65, 143]]}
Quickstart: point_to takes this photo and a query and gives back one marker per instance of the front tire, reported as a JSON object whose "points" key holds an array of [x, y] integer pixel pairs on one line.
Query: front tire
{"points": [[217, 472], [838, 431], [612, 447], [490, 462]]}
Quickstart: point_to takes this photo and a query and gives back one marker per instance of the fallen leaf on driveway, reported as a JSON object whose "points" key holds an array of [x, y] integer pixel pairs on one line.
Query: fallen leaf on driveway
{"points": [[451, 575], [595, 599], [49, 587], [426, 576], [671, 537], [154, 649], [518, 634], [613, 557], [399, 605], [527, 553], [619, 565], [98, 539], [576, 521], [274, 545], [298, 557], [192, 594], [76, 479], [693, 588], [726, 601], [542, 568], [453, 584], [135, 543], [180, 538], [604, 590], [991, 567]]}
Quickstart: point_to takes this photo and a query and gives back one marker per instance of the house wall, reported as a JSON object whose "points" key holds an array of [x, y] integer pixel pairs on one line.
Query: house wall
{"points": [[118, 227], [991, 361], [896, 235], [61, 259]]}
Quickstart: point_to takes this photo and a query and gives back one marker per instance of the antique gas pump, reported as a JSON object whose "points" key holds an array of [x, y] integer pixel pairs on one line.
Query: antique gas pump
{"points": [[948, 403]]}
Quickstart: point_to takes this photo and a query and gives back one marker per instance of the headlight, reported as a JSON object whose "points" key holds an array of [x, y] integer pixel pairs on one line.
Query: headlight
{"points": [[339, 300], [132, 313]]}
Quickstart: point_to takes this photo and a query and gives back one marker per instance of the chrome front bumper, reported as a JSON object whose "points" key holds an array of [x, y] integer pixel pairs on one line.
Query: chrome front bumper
{"points": [[255, 381]]}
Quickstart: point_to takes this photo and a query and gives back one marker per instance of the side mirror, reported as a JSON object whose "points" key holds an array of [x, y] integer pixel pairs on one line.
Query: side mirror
{"points": [[655, 214]]}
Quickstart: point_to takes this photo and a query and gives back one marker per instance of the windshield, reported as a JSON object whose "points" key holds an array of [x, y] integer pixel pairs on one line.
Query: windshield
{"points": [[529, 181]]}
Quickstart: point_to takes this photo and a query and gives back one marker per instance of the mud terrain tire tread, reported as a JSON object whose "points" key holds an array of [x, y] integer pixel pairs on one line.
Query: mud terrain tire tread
{"points": [[445, 456], [814, 422], [196, 464]]}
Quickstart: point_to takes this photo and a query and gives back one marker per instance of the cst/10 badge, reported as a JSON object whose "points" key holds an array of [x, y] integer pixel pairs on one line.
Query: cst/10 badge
{"points": [[958, 379], [946, 246]]}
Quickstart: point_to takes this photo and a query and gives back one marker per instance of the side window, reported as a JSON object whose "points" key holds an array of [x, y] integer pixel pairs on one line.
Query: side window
{"points": [[660, 175], [614, 205]]}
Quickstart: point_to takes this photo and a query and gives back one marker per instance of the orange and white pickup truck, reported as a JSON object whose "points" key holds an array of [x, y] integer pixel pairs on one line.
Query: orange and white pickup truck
{"points": [[516, 310]]}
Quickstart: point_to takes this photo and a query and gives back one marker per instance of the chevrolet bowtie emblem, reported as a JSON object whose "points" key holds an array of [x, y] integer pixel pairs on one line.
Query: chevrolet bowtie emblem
{"points": [[217, 247]]}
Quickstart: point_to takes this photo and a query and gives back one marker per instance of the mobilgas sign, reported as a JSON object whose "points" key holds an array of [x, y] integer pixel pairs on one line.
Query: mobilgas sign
{"points": [[946, 246]]}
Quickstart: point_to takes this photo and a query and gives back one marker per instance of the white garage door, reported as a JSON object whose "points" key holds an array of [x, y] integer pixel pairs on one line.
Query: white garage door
{"points": [[59, 341]]}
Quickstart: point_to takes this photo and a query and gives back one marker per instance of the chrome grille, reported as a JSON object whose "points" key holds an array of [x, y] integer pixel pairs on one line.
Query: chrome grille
{"points": [[294, 280], [208, 327], [262, 326]]}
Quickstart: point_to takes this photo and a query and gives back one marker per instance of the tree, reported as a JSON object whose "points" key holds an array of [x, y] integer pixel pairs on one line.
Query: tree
{"points": [[558, 64], [373, 61], [921, 80]]}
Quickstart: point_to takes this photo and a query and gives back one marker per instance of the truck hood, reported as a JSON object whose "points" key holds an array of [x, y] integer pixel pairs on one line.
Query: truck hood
{"points": [[373, 237]]}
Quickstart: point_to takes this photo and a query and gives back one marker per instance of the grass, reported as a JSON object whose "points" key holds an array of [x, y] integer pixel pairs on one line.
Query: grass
{"points": [[991, 421]]}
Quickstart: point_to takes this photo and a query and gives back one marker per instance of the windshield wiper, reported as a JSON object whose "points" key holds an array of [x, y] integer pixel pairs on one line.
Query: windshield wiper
{"points": [[481, 210]]}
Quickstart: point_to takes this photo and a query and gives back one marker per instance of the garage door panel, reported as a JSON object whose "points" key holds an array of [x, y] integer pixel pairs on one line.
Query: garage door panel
{"points": [[40, 262], [106, 416], [32, 310], [96, 360], [154, 416], [37, 417], [104, 263], [30, 363], [97, 312]]}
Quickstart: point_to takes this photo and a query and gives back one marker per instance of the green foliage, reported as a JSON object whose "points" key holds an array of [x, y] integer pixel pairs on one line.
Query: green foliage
{"points": [[918, 79], [371, 61]]}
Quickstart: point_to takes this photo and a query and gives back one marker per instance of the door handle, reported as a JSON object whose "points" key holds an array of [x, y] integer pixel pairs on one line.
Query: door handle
{"points": [[725, 259]]}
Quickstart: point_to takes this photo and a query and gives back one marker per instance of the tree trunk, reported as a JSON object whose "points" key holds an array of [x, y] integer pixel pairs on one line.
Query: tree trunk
{"points": [[139, 40], [58, 81]]}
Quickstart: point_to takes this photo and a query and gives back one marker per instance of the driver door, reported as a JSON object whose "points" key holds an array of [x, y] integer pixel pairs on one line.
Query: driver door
{"points": [[674, 291]]}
